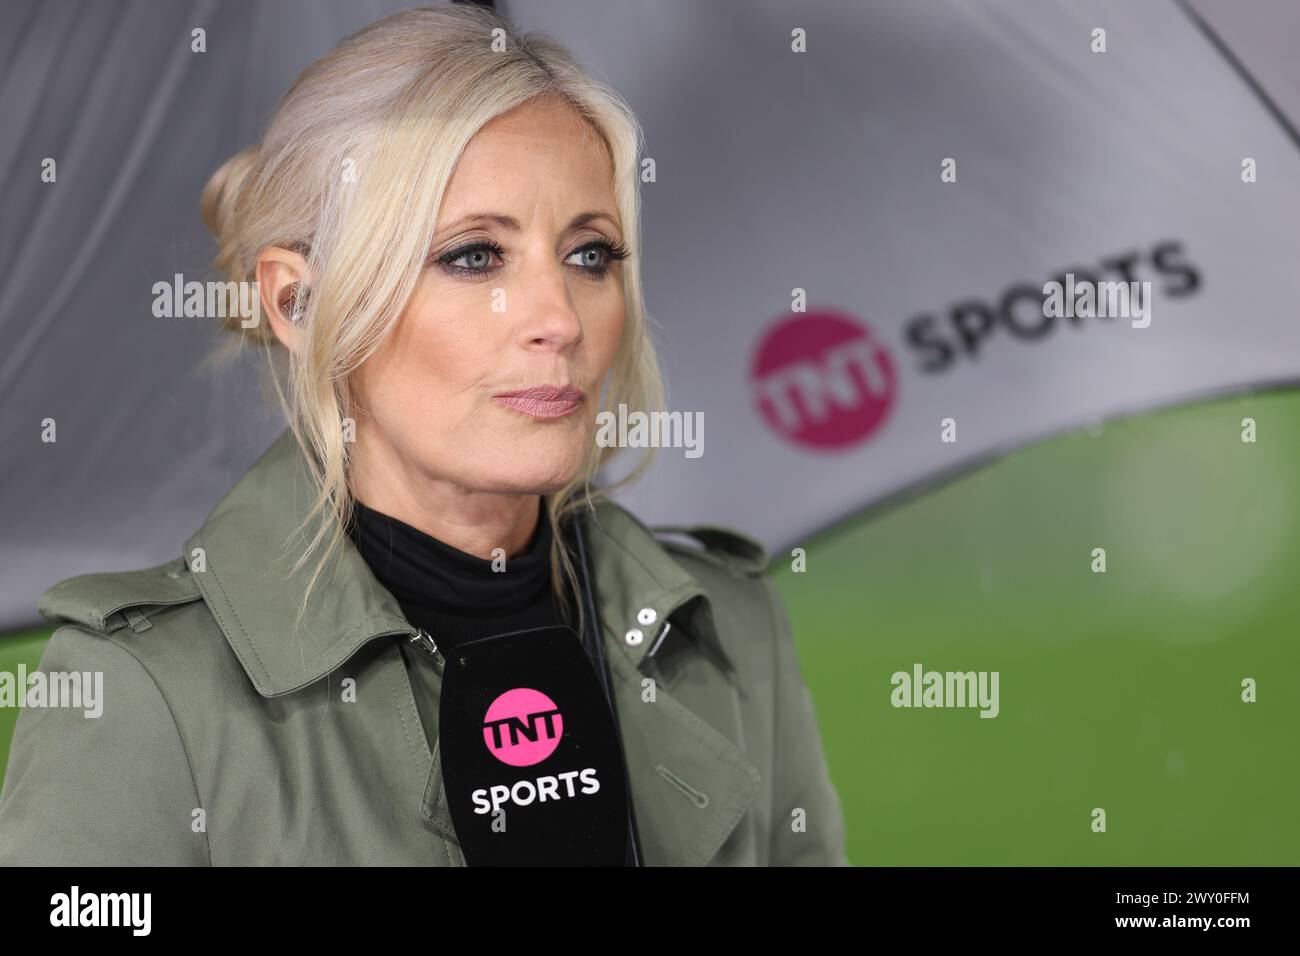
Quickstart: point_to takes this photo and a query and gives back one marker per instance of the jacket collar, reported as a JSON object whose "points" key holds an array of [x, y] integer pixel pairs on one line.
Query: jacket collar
{"points": [[242, 555], [241, 558]]}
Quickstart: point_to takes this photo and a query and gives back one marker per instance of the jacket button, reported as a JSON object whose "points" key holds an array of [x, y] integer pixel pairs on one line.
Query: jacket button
{"points": [[634, 636], [646, 616]]}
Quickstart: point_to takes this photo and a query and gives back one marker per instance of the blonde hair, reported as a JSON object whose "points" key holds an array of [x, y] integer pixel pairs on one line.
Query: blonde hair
{"points": [[415, 84]]}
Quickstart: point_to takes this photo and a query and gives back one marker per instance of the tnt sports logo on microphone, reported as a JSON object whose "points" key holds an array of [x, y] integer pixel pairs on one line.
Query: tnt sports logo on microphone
{"points": [[522, 727], [823, 380]]}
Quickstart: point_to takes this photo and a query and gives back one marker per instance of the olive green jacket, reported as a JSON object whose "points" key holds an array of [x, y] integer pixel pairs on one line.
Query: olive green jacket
{"points": [[226, 740]]}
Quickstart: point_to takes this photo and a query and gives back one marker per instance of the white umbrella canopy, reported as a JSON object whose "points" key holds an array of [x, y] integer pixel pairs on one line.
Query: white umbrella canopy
{"points": [[822, 171], [135, 120], [775, 170]]}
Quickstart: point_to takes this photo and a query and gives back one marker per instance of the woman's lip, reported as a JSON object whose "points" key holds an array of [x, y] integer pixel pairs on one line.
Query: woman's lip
{"points": [[540, 407], [543, 401], [547, 393]]}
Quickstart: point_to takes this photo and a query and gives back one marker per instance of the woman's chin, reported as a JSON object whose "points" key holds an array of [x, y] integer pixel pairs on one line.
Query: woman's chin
{"points": [[537, 479]]}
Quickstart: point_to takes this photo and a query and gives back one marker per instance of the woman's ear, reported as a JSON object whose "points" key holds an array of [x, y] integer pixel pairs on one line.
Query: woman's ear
{"points": [[283, 284]]}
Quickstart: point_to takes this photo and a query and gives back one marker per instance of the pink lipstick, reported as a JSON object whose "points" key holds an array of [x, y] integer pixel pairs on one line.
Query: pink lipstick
{"points": [[545, 401]]}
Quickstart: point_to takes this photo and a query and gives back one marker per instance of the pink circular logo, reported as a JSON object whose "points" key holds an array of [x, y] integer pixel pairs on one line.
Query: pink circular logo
{"points": [[820, 379], [522, 727]]}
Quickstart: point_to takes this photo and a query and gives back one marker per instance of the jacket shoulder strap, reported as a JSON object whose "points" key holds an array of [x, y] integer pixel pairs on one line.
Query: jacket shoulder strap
{"points": [[721, 545], [106, 601]]}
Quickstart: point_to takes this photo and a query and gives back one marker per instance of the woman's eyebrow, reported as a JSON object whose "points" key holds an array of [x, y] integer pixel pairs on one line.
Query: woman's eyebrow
{"points": [[510, 222]]}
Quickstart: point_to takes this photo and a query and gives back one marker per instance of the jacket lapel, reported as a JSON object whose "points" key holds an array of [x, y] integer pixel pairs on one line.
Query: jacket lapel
{"points": [[691, 783], [241, 560]]}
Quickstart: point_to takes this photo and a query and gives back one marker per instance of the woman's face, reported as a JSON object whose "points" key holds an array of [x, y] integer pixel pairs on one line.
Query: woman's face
{"points": [[521, 292]]}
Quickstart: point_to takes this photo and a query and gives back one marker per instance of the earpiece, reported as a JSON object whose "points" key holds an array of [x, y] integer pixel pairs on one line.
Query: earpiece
{"points": [[297, 301]]}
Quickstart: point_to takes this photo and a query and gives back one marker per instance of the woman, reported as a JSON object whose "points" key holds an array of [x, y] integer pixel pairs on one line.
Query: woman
{"points": [[413, 633]]}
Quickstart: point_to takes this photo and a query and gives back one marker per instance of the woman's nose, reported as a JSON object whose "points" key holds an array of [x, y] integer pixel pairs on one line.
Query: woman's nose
{"points": [[550, 317]]}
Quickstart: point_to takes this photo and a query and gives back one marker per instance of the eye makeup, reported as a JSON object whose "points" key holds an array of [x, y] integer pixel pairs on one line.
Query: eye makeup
{"points": [[478, 249]]}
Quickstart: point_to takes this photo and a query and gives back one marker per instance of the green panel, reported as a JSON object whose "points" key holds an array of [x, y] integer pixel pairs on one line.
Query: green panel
{"points": [[22, 648], [1120, 690]]}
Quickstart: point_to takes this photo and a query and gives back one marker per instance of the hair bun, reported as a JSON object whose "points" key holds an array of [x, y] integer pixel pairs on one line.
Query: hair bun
{"points": [[220, 202]]}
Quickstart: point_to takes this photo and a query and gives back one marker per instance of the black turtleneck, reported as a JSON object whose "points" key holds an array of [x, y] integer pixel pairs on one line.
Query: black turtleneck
{"points": [[453, 595]]}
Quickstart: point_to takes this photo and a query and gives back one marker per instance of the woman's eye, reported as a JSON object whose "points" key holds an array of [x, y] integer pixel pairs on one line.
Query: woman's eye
{"points": [[598, 257], [595, 258], [470, 260]]}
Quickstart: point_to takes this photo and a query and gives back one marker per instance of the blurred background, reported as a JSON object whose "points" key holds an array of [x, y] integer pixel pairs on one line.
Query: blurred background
{"points": [[835, 307]]}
